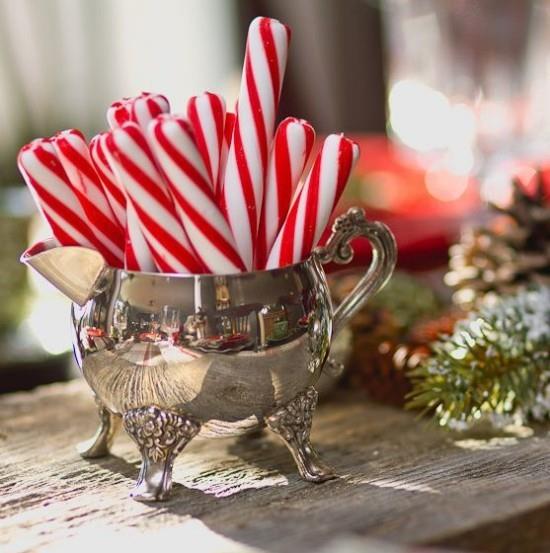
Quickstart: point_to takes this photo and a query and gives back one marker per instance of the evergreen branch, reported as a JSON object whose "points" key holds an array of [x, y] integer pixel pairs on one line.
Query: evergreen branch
{"points": [[496, 362]]}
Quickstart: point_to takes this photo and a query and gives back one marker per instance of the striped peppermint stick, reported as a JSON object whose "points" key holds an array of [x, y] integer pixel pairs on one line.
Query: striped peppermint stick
{"points": [[137, 255], [291, 148], [112, 188], [53, 194], [206, 114], [139, 109], [133, 163], [311, 210], [264, 65], [173, 143], [73, 153], [118, 112]]}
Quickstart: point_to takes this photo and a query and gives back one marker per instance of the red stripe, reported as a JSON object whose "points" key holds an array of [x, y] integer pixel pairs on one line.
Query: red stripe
{"points": [[286, 254], [78, 160], [283, 182], [180, 160], [228, 129], [210, 232], [50, 161], [200, 139], [345, 163], [257, 111], [66, 213], [177, 250], [312, 202], [283, 171], [151, 186], [310, 139], [218, 110], [130, 260], [99, 159], [104, 222], [246, 184]]}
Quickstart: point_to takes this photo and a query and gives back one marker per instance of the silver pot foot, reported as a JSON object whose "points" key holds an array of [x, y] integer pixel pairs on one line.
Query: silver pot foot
{"points": [[100, 444], [160, 436], [292, 423]]}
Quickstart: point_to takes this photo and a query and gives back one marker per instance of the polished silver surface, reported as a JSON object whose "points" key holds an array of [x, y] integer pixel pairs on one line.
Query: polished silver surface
{"points": [[226, 350], [100, 444], [160, 436], [338, 250], [292, 423]]}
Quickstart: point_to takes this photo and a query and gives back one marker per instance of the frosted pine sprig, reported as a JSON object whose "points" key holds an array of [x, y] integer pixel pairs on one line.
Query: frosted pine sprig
{"points": [[496, 363]]}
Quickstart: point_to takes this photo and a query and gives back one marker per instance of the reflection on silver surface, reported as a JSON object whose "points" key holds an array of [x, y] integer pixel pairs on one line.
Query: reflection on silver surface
{"points": [[227, 349]]}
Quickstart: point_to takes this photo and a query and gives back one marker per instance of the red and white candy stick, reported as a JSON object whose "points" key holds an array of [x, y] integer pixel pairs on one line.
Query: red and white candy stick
{"points": [[53, 194], [310, 211], [135, 167], [206, 113], [173, 143], [74, 155], [140, 109], [264, 65], [291, 148], [119, 112], [113, 190]]}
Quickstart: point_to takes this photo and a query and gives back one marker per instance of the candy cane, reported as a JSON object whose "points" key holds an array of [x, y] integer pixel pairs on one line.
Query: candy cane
{"points": [[118, 113], [135, 167], [74, 155], [206, 114], [264, 66], [173, 143], [113, 190], [54, 195], [139, 109], [311, 210], [291, 148]]}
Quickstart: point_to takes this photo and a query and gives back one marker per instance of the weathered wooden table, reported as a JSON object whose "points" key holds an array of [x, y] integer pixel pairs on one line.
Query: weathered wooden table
{"points": [[402, 481]]}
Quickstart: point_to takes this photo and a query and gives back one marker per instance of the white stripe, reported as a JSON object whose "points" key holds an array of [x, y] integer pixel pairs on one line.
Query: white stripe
{"points": [[210, 133], [181, 141], [328, 180], [139, 246], [237, 212], [262, 78]]}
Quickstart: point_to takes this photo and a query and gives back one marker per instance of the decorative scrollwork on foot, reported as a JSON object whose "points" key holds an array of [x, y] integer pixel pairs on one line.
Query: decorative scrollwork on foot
{"points": [[160, 435], [292, 423], [100, 444]]}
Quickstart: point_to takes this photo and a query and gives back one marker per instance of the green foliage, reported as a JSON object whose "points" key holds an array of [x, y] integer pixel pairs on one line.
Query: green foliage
{"points": [[408, 299], [496, 362]]}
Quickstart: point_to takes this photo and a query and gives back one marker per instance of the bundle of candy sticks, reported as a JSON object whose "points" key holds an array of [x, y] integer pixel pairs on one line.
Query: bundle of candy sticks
{"points": [[206, 192]]}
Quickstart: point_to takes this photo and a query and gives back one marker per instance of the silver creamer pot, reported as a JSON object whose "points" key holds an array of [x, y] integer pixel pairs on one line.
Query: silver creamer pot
{"points": [[173, 356]]}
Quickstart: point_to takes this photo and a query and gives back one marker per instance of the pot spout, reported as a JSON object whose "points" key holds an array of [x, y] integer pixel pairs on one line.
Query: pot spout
{"points": [[77, 272]]}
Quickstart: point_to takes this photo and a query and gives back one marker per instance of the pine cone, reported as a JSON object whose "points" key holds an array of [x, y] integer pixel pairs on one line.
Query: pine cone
{"points": [[382, 358], [382, 350], [512, 251]]}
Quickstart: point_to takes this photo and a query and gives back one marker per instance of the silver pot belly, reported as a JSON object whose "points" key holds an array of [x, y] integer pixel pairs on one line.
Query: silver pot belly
{"points": [[226, 351]]}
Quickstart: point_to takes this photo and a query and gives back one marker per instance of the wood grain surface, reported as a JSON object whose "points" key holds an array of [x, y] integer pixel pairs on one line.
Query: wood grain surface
{"points": [[402, 481]]}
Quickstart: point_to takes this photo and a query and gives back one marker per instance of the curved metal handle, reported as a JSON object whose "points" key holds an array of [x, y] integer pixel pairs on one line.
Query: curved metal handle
{"points": [[338, 249]]}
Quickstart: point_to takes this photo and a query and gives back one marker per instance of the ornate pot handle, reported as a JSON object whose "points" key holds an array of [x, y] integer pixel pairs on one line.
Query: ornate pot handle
{"points": [[338, 249]]}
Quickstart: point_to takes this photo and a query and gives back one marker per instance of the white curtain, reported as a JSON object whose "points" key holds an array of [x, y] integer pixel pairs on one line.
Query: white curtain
{"points": [[63, 61]]}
